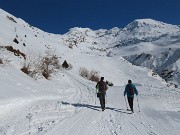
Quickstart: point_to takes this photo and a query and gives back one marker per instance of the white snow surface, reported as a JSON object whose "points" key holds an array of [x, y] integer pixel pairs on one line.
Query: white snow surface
{"points": [[66, 104]]}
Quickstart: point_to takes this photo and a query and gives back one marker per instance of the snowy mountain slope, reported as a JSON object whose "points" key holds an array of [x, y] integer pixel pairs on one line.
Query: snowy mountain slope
{"points": [[67, 103], [162, 60], [149, 43], [147, 30], [142, 36]]}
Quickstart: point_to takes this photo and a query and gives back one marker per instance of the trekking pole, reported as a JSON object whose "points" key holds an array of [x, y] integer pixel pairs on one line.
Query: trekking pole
{"points": [[95, 96], [106, 99], [138, 103], [126, 102]]}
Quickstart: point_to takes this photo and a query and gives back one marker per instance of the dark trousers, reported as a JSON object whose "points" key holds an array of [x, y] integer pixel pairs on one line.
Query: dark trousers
{"points": [[102, 100], [130, 101]]}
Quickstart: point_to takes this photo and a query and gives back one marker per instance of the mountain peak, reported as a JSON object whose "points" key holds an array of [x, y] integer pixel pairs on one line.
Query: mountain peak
{"points": [[149, 24], [148, 21], [138, 23]]}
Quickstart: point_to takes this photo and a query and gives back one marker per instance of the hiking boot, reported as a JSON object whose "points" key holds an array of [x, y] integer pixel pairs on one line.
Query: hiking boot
{"points": [[103, 109]]}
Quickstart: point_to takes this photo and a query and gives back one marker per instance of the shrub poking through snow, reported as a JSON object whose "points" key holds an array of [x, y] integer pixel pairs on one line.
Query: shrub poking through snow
{"points": [[41, 66], [83, 72], [11, 19], [25, 69], [4, 59], [1, 62], [65, 64], [90, 75], [50, 64], [16, 52], [46, 74], [16, 41], [94, 78]]}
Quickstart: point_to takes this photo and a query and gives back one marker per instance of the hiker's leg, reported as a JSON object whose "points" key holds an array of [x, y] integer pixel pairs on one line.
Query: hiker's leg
{"points": [[130, 101], [101, 100], [132, 104]]}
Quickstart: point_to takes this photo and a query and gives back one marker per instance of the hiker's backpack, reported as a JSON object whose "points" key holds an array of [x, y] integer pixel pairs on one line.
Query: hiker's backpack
{"points": [[131, 90], [102, 86]]}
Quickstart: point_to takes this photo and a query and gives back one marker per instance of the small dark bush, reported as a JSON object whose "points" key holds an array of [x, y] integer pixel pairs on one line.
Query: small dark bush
{"points": [[65, 64], [1, 62], [9, 48], [16, 41], [11, 18], [16, 52], [71, 46], [46, 74], [25, 70]]}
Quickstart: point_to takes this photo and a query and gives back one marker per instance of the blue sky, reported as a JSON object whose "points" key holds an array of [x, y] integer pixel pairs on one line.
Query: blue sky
{"points": [[58, 16]]}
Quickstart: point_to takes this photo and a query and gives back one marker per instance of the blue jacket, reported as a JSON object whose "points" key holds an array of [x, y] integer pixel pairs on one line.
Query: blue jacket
{"points": [[127, 90]]}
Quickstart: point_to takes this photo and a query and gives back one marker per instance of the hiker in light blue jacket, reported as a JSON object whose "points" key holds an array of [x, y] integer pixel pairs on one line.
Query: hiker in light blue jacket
{"points": [[130, 90]]}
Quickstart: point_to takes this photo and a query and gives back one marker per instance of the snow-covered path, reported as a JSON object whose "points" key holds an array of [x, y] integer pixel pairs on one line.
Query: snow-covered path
{"points": [[153, 119], [68, 106]]}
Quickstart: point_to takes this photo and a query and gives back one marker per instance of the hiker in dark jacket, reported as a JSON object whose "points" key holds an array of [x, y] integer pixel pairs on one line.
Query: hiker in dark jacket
{"points": [[102, 87], [130, 90]]}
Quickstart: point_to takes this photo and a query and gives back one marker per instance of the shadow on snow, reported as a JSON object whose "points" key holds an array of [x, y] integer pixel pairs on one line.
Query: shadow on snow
{"points": [[96, 108]]}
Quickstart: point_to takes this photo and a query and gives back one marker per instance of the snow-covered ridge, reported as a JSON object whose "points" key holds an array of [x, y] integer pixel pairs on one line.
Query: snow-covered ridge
{"points": [[147, 30], [149, 26], [144, 34]]}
